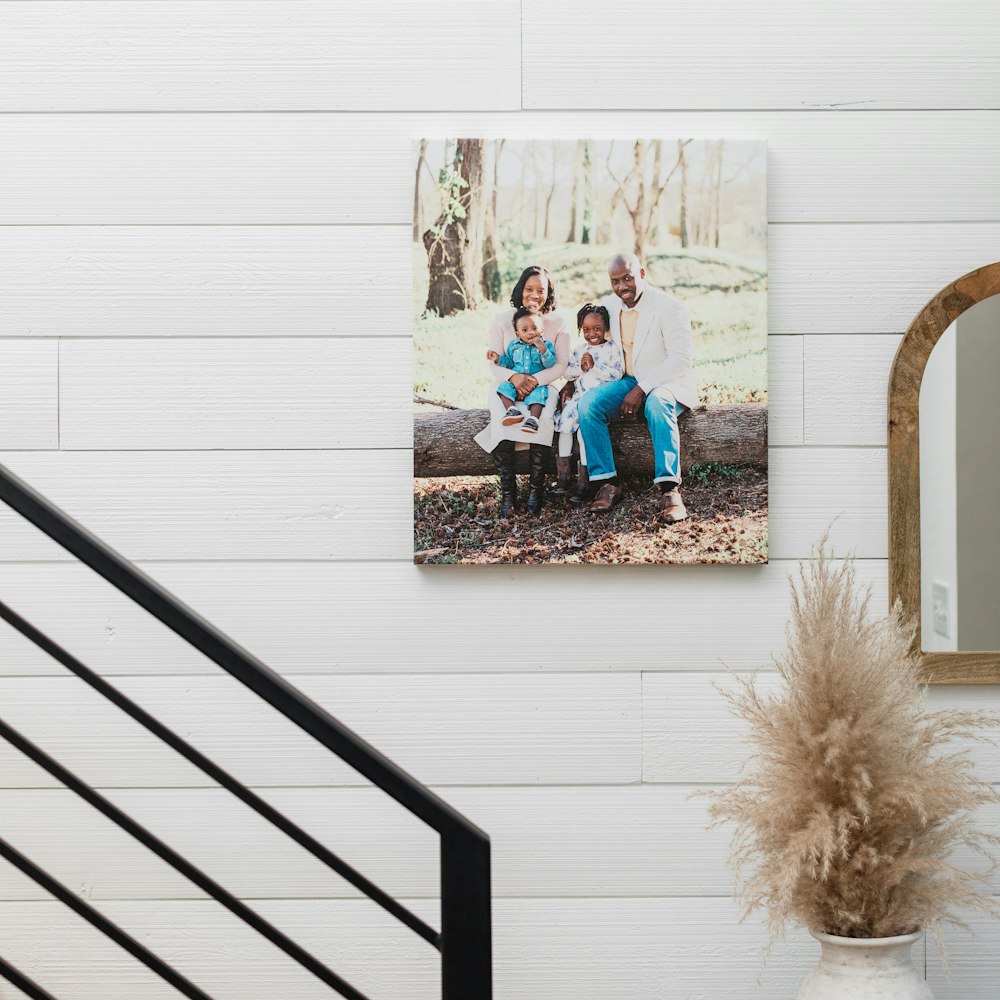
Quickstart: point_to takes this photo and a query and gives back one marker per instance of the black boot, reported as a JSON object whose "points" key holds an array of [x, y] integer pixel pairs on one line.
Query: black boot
{"points": [[538, 460], [564, 475], [579, 495], [503, 459]]}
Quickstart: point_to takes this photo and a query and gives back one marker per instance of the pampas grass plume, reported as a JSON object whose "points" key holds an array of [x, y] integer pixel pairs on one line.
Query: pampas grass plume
{"points": [[854, 799]]}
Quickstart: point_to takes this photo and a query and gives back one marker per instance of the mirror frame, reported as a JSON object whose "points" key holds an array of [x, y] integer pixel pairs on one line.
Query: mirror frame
{"points": [[962, 667]]}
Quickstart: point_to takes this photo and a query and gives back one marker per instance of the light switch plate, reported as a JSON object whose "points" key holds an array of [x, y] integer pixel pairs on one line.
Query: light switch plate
{"points": [[941, 596]]}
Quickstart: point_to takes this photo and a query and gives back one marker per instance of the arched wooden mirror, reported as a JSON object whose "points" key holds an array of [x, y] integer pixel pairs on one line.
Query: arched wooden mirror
{"points": [[944, 479]]}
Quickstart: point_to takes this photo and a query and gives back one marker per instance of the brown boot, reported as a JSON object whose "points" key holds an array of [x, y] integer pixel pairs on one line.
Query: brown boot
{"points": [[672, 507], [608, 494], [579, 495], [564, 473]]}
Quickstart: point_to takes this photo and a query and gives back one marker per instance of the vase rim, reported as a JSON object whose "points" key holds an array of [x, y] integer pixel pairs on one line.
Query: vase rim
{"points": [[873, 942]]}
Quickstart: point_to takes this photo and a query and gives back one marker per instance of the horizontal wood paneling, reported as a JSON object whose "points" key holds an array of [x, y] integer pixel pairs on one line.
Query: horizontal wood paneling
{"points": [[255, 54], [230, 394], [342, 505], [218, 952], [867, 279], [690, 735], [831, 54], [281, 393], [29, 403], [394, 617], [570, 949], [251, 169], [578, 949], [305, 281], [815, 489], [223, 505], [596, 841], [846, 381], [203, 281], [973, 960], [463, 729], [784, 390]]}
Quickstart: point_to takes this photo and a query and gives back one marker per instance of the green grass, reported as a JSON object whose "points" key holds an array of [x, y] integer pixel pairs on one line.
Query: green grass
{"points": [[703, 471], [726, 298]]}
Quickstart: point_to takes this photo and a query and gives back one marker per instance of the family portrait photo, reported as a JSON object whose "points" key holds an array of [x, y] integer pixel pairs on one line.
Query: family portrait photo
{"points": [[590, 341]]}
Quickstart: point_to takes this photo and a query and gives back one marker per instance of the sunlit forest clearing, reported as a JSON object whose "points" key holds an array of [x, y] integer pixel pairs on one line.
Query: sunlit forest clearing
{"points": [[725, 294]]}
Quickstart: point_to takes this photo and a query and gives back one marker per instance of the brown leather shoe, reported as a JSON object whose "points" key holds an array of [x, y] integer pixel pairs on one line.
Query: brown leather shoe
{"points": [[672, 507], [607, 496]]}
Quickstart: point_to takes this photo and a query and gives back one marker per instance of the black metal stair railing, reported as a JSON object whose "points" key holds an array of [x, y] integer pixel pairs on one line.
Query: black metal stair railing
{"points": [[465, 937]]}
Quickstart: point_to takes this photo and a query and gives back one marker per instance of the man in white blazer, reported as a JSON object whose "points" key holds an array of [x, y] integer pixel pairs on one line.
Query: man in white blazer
{"points": [[654, 334]]}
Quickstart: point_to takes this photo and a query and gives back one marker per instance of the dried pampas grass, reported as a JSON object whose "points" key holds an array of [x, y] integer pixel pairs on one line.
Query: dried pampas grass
{"points": [[854, 801]]}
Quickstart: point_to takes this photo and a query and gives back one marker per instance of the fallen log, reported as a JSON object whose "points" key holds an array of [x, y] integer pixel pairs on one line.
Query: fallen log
{"points": [[730, 434]]}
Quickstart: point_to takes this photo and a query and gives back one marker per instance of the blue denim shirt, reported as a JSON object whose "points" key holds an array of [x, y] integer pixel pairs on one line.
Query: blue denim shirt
{"points": [[526, 359]]}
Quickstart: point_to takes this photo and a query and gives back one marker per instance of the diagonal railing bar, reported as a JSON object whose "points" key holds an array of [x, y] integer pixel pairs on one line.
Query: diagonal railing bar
{"points": [[236, 661], [465, 937], [101, 922], [17, 978], [179, 863], [223, 777]]}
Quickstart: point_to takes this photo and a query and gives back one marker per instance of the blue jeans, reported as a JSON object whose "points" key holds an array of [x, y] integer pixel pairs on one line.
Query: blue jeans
{"points": [[537, 395], [603, 403]]}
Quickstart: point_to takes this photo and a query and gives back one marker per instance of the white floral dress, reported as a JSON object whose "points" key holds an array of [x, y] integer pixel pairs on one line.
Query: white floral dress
{"points": [[608, 367]]}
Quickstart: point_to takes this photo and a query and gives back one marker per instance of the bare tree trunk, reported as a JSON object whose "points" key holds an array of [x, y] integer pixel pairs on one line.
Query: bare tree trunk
{"points": [[421, 159], [718, 187], [537, 187], [585, 231], [638, 213], [455, 243], [491, 263], [574, 198], [703, 216], [551, 194], [635, 181], [571, 237], [684, 186], [731, 434], [604, 228]]}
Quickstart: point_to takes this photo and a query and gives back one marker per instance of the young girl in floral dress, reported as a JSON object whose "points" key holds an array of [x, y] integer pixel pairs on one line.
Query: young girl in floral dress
{"points": [[596, 360]]}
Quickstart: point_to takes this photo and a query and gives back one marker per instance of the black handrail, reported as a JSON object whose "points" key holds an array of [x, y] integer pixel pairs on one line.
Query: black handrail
{"points": [[223, 777], [465, 937]]}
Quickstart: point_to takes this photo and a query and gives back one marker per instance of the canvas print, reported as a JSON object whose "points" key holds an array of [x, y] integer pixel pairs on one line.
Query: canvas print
{"points": [[590, 347]]}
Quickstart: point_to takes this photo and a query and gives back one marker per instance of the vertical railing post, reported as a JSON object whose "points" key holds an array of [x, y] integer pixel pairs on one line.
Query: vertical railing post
{"points": [[466, 949]]}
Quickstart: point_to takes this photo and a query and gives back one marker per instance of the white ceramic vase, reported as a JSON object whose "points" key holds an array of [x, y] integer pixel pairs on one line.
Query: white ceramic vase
{"points": [[866, 969]]}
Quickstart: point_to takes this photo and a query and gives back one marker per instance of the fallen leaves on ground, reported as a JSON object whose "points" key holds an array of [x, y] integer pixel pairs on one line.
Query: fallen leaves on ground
{"points": [[456, 520]]}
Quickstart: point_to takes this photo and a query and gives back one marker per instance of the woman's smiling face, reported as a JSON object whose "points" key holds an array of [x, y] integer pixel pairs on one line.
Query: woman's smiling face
{"points": [[535, 292]]}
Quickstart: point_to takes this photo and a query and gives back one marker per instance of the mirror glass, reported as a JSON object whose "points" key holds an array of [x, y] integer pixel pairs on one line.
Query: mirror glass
{"points": [[959, 412]]}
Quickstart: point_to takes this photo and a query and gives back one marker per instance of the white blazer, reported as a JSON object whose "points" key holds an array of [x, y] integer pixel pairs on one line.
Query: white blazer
{"points": [[662, 356]]}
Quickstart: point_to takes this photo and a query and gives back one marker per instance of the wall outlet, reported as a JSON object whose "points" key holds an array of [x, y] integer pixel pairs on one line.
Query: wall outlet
{"points": [[941, 596]]}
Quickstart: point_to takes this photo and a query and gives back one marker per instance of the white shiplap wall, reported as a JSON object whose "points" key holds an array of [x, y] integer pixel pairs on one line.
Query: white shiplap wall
{"points": [[192, 195]]}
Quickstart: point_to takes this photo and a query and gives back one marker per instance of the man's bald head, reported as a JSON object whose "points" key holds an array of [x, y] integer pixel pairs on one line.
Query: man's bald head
{"points": [[627, 260], [628, 278]]}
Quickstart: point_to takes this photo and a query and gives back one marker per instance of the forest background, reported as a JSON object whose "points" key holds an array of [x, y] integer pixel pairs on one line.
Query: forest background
{"points": [[693, 210]]}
